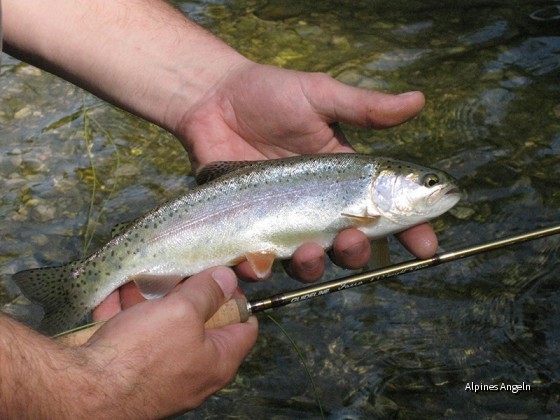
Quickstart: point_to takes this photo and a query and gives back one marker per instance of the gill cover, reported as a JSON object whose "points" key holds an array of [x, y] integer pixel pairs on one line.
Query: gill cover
{"points": [[405, 192]]}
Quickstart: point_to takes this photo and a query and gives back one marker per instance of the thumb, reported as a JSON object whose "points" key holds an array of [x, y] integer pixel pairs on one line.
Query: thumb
{"points": [[209, 290], [339, 102]]}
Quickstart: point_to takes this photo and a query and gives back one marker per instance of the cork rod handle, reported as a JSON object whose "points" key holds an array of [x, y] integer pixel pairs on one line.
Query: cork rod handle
{"points": [[232, 312]]}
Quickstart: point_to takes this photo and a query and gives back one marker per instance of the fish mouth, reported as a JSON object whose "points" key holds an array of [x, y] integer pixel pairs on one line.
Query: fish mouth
{"points": [[451, 195], [446, 193], [452, 190]]}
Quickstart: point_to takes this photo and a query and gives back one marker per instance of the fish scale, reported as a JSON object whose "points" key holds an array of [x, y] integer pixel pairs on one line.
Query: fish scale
{"points": [[257, 211]]}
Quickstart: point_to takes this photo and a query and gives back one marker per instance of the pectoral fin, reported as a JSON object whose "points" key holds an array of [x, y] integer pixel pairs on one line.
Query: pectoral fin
{"points": [[261, 262], [364, 219], [153, 286]]}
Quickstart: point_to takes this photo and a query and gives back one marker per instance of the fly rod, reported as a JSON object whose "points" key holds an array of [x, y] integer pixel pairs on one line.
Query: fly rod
{"points": [[239, 309], [344, 283]]}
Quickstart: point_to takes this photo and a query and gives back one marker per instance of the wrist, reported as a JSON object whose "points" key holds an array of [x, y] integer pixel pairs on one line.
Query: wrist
{"points": [[195, 82], [141, 55]]}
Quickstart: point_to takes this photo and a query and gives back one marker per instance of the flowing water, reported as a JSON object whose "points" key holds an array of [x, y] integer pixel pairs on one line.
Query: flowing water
{"points": [[72, 166]]}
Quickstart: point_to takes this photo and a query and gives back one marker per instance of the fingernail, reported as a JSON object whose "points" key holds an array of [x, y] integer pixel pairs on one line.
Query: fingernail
{"points": [[414, 92], [226, 280]]}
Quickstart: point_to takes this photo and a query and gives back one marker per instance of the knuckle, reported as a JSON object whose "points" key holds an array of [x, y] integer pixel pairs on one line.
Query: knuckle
{"points": [[179, 308]]}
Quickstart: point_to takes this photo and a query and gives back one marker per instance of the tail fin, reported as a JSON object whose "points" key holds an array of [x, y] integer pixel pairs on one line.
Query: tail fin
{"points": [[57, 290]]}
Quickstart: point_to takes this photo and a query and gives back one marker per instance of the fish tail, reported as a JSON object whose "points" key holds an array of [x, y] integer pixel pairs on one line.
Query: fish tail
{"points": [[58, 291]]}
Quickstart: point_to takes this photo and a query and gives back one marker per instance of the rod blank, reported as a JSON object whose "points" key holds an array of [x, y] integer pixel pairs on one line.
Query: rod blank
{"points": [[328, 287]]}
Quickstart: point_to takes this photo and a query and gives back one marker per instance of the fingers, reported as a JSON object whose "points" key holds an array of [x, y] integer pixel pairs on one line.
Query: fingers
{"points": [[125, 297], [351, 249], [185, 309], [209, 290], [420, 240], [108, 308], [337, 101], [307, 264], [130, 295], [230, 344], [168, 340]]}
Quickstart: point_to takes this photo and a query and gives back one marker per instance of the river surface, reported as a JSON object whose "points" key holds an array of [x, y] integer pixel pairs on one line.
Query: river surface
{"points": [[72, 166]]}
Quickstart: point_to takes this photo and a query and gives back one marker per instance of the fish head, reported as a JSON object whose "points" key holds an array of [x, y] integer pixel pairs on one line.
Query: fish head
{"points": [[409, 194]]}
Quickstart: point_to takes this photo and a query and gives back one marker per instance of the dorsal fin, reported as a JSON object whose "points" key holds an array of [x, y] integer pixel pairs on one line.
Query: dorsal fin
{"points": [[119, 228], [218, 169], [122, 226]]}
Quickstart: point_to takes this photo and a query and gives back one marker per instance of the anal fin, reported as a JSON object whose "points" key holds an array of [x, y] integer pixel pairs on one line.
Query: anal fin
{"points": [[261, 262]]}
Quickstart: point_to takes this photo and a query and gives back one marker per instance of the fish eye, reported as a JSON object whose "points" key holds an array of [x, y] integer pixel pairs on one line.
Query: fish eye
{"points": [[430, 180]]}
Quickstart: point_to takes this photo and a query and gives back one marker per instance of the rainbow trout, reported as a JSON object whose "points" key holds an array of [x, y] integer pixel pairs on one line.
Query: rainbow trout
{"points": [[258, 211]]}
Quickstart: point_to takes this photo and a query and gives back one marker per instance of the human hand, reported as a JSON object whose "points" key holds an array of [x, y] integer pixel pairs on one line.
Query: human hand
{"points": [[162, 344], [221, 105], [263, 112]]}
